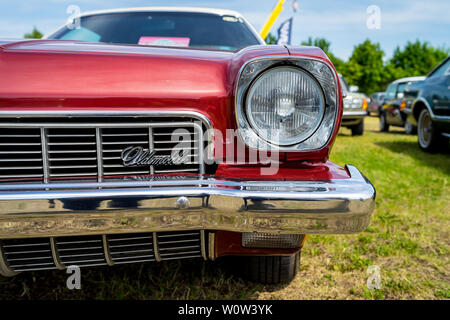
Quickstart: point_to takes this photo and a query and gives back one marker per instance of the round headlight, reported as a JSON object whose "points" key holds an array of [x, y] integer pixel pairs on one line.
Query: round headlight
{"points": [[285, 105]]}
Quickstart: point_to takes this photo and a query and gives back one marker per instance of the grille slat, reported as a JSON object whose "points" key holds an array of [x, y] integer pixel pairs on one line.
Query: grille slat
{"points": [[20, 153], [15, 160], [81, 255], [31, 252]]}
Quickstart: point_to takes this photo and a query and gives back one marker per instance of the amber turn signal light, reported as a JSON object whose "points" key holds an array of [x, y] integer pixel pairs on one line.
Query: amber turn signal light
{"points": [[364, 106], [403, 105]]}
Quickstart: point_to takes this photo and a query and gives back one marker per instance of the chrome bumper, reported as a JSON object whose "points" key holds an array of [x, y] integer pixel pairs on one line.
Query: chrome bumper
{"points": [[353, 114], [325, 207]]}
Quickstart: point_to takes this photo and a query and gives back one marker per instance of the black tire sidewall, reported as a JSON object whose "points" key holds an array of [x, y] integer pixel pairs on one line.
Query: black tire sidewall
{"points": [[383, 124]]}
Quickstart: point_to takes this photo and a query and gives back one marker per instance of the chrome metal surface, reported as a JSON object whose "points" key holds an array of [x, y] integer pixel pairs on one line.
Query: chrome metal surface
{"points": [[55, 254], [328, 206], [203, 244], [354, 114], [82, 146], [5, 270], [211, 246], [58, 253], [28, 254], [108, 257], [182, 203], [322, 72], [155, 247]]}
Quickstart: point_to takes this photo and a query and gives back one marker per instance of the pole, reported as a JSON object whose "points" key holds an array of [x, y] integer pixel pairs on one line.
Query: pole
{"points": [[272, 18]]}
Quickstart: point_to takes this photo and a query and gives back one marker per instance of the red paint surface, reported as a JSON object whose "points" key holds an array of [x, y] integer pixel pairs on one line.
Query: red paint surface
{"points": [[69, 75], [230, 244]]}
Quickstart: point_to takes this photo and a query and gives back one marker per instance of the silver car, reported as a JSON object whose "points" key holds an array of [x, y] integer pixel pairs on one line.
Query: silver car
{"points": [[355, 108]]}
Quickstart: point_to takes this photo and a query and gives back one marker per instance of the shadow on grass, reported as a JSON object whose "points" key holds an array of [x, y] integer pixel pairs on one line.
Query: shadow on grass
{"points": [[348, 133], [188, 279], [440, 160]]}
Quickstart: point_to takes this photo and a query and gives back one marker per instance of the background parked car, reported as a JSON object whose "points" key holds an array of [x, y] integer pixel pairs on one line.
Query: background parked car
{"points": [[428, 107], [375, 103], [392, 112], [355, 108]]}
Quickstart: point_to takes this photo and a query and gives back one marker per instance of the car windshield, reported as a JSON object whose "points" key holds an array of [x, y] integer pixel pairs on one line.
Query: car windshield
{"points": [[179, 29], [344, 85], [401, 86]]}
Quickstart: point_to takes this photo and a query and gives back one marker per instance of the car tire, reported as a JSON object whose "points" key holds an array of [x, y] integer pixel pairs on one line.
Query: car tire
{"points": [[410, 128], [358, 130], [271, 269], [384, 126], [428, 136]]}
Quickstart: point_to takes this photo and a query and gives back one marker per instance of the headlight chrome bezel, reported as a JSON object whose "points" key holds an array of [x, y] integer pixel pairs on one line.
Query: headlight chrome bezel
{"points": [[319, 70], [252, 121]]}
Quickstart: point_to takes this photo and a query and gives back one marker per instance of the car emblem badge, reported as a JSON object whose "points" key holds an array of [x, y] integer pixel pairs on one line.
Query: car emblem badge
{"points": [[139, 157]]}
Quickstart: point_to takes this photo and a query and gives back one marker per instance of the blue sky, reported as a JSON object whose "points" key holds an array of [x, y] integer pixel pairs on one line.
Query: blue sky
{"points": [[343, 22]]}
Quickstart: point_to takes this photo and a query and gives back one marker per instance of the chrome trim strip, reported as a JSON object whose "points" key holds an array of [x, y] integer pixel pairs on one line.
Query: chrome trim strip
{"points": [[55, 255], [326, 207], [198, 147], [99, 147], [203, 244], [108, 257], [211, 246], [102, 114], [151, 147], [45, 162], [354, 113], [94, 125], [156, 248], [5, 270], [441, 118]]}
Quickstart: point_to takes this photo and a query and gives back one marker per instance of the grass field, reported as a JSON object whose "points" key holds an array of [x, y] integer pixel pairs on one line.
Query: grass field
{"points": [[408, 239]]}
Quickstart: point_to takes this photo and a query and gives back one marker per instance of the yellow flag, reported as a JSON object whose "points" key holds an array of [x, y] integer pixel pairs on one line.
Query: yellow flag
{"points": [[273, 16]]}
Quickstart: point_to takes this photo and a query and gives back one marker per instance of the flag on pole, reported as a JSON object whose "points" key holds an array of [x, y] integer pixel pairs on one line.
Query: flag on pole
{"points": [[295, 5], [284, 32], [271, 20]]}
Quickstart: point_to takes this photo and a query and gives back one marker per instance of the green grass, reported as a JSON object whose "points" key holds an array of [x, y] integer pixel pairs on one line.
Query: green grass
{"points": [[408, 239]]}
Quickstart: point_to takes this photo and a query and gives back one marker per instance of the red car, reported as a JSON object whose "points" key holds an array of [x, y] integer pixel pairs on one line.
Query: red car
{"points": [[115, 149]]}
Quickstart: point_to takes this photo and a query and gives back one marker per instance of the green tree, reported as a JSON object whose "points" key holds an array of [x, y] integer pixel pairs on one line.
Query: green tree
{"points": [[271, 39], [35, 34], [415, 59], [365, 67], [325, 45]]}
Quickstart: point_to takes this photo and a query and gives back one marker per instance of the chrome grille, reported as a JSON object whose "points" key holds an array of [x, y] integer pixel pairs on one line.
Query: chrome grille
{"points": [[81, 251], [179, 245], [84, 149], [28, 254], [71, 153], [114, 141], [21, 153], [85, 251], [125, 248]]}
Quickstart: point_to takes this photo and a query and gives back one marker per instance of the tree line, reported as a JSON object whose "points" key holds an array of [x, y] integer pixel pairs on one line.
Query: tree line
{"points": [[366, 68]]}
